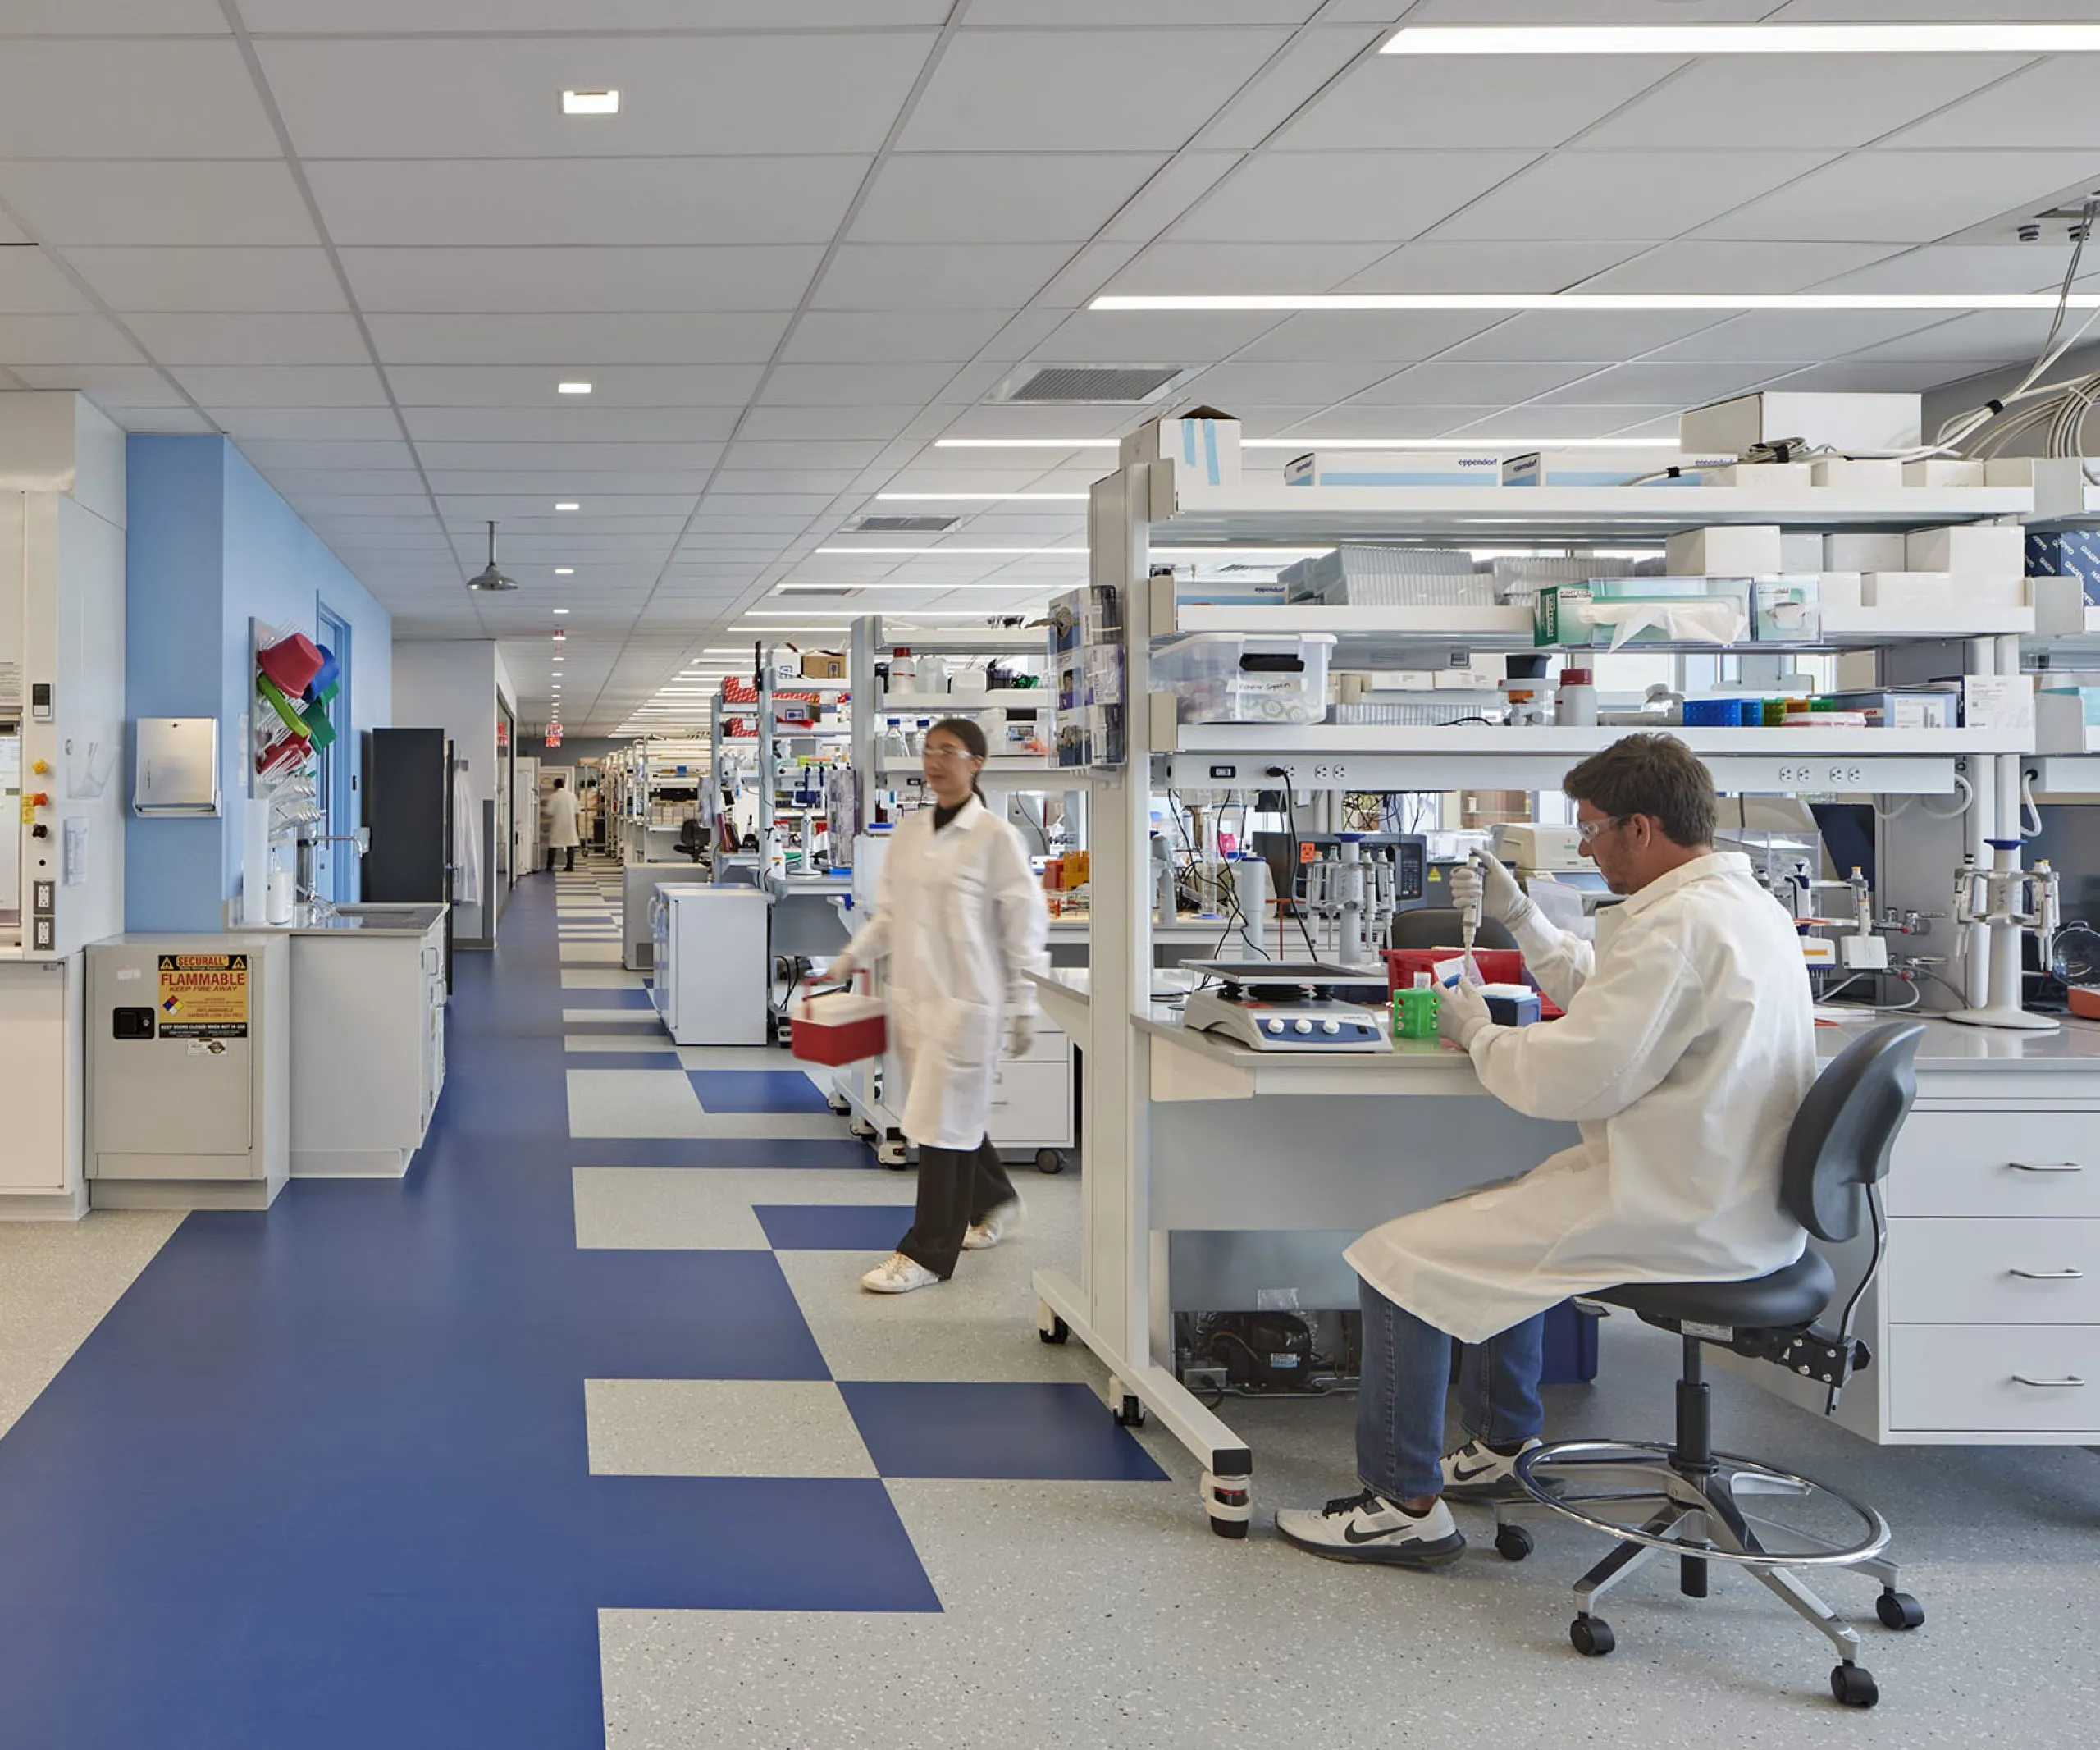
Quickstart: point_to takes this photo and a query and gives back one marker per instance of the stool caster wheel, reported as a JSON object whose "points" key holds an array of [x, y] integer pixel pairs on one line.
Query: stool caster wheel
{"points": [[1056, 1332], [1593, 1638], [1049, 1160], [1898, 1610], [1854, 1685], [1513, 1543]]}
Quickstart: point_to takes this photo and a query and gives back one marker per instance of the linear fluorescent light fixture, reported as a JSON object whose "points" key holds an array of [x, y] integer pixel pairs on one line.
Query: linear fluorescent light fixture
{"points": [[1743, 39], [1588, 302], [590, 103]]}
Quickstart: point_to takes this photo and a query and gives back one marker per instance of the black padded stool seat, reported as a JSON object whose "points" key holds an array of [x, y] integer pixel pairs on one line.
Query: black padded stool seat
{"points": [[1796, 1295]]}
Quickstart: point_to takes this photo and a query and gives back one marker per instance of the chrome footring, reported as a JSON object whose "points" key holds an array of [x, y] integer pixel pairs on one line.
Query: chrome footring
{"points": [[1571, 1478]]}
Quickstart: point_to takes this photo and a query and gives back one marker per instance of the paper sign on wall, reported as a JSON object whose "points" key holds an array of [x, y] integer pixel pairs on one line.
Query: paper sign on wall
{"points": [[203, 996]]}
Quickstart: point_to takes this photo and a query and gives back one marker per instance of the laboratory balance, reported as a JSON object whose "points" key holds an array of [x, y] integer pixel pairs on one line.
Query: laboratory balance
{"points": [[1284, 1005]]}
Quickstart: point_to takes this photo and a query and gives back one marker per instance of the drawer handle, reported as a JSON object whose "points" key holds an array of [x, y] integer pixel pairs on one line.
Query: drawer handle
{"points": [[2069, 1379], [2046, 1165], [2048, 1275]]}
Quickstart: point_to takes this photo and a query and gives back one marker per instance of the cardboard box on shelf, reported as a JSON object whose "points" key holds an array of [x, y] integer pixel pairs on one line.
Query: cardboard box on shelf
{"points": [[1203, 441], [2067, 553], [823, 665], [1730, 551]]}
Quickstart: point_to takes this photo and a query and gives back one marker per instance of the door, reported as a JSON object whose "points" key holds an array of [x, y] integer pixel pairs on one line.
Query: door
{"points": [[336, 865]]}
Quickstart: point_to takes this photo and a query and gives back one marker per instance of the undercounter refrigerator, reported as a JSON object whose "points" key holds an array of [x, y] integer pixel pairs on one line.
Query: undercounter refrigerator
{"points": [[712, 985]]}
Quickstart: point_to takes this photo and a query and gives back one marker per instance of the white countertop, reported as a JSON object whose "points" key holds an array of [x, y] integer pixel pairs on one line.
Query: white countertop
{"points": [[362, 921]]}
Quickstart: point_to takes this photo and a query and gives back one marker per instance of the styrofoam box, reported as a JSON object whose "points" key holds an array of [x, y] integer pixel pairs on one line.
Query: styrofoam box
{"points": [[1780, 479], [1944, 473], [1908, 589], [1800, 550], [1405, 467], [1203, 441], [1845, 422], [1747, 549], [1841, 589], [1973, 550], [1863, 552], [2009, 471], [1869, 473]]}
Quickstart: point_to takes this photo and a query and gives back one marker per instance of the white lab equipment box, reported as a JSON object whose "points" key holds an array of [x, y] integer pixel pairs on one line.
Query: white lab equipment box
{"points": [[188, 1071], [176, 767], [712, 984]]}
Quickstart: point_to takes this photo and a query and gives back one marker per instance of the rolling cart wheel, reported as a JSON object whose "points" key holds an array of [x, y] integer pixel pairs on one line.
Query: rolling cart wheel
{"points": [[1127, 1412], [1057, 1332], [1513, 1543], [1049, 1160], [837, 1105], [892, 1155], [862, 1128], [1899, 1610], [1854, 1685], [1592, 1637]]}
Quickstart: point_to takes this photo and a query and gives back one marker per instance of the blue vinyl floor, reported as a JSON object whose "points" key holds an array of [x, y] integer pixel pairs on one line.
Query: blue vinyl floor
{"points": [[321, 1478]]}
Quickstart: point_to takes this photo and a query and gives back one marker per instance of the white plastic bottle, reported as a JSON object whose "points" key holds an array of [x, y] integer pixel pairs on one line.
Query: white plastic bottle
{"points": [[1575, 703], [903, 673], [932, 674]]}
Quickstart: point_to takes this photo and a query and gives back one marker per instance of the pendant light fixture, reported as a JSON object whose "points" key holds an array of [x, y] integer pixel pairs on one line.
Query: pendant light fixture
{"points": [[491, 579]]}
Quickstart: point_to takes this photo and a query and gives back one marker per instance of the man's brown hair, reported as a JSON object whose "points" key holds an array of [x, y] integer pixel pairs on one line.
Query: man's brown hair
{"points": [[1650, 774]]}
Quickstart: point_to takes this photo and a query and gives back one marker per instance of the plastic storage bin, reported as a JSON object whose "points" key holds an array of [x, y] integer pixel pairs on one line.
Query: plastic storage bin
{"points": [[843, 1027], [1229, 677]]}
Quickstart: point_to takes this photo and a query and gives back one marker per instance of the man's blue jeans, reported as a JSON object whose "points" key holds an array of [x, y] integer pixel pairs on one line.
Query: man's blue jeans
{"points": [[1407, 1371]]}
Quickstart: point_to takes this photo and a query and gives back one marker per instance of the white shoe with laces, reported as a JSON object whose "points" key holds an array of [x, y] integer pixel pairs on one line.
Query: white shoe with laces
{"points": [[1367, 1527], [898, 1275], [1476, 1472], [1002, 1224]]}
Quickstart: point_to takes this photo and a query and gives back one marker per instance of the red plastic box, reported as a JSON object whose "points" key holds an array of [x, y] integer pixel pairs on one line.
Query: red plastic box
{"points": [[844, 1027]]}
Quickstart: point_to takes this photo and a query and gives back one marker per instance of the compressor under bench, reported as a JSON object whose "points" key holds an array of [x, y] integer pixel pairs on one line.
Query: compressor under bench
{"points": [[1985, 1326]]}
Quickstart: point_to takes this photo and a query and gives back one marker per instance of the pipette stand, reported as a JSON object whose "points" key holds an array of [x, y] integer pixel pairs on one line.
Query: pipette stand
{"points": [[2008, 901]]}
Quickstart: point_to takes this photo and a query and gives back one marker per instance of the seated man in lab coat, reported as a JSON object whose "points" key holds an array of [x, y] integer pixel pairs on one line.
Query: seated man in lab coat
{"points": [[1688, 1045]]}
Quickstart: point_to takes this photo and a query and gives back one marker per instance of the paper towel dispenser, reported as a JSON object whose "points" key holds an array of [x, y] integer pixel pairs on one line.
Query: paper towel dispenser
{"points": [[177, 768]]}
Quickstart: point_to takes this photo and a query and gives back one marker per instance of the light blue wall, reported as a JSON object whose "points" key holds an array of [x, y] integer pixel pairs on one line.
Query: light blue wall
{"points": [[212, 546]]}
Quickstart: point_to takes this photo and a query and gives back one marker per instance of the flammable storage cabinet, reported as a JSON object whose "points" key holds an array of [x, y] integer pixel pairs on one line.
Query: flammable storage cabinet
{"points": [[188, 1071]]}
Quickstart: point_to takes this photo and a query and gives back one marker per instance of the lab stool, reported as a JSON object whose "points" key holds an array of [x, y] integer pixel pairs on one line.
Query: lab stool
{"points": [[1701, 1506]]}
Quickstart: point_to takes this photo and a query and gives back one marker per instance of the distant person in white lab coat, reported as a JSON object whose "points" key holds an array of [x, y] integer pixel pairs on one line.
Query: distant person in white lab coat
{"points": [[1688, 1046], [561, 835], [961, 920]]}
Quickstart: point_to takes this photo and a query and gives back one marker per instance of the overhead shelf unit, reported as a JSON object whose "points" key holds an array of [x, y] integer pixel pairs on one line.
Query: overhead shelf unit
{"points": [[650, 789], [772, 731], [1122, 1304]]}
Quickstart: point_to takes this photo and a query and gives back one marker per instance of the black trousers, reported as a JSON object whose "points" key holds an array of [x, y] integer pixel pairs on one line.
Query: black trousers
{"points": [[958, 1189], [570, 868]]}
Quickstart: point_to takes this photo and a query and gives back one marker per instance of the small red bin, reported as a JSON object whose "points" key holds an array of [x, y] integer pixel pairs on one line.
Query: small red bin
{"points": [[845, 1027]]}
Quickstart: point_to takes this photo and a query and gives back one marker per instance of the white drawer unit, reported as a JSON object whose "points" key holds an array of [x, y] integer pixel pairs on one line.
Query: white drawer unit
{"points": [[1032, 1099], [2019, 1271], [2006, 1380], [1997, 1163]]}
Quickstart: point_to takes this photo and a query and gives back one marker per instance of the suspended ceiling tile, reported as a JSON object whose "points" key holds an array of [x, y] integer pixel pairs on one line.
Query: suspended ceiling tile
{"points": [[1649, 385], [1578, 195], [584, 458], [307, 386], [1357, 420], [1347, 335], [911, 277], [254, 339], [853, 385], [161, 422], [1547, 424], [1908, 197], [750, 276], [1151, 337], [997, 197], [1435, 266], [623, 387], [1180, 183], [30, 283], [1235, 384], [571, 424], [1080, 91], [587, 488], [1863, 377], [584, 201], [133, 385], [1583, 334], [823, 424], [577, 341], [1441, 384], [1289, 81], [2048, 105], [341, 456], [903, 337], [1344, 197], [351, 483], [309, 423], [2009, 267], [1214, 269], [1796, 335], [63, 340], [746, 94], [146, 202], [2006, 335], [143, 99], [30, 18], [219, 279], [1693, 265], [770, 481], [1385, 102]]}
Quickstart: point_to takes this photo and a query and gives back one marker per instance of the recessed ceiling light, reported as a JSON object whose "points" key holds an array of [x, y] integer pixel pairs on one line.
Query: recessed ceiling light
{"points": [[1589, 303], [568, 504], [561, 610], [1743, 39], [572, 388], [564, 571], [590, 103]]}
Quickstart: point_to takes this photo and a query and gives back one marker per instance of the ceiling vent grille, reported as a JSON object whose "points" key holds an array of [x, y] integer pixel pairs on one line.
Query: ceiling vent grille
{"points": [[1127, 385], [905, 525]]}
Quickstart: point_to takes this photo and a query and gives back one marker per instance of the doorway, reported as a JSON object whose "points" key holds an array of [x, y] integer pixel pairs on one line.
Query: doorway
{"points": [[335, 871]]}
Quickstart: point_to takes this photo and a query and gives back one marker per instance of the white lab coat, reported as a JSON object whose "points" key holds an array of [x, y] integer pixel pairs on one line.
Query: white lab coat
{"points": [[466, 842], [961, 922], [561, 821], [1688, 1046]]}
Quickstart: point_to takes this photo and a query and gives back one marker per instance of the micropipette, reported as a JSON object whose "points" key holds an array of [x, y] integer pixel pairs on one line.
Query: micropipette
{"points": [[1469, 918]]}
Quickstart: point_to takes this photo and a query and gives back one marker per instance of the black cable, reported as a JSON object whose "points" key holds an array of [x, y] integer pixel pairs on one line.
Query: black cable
{"points": [[1297, 904]]}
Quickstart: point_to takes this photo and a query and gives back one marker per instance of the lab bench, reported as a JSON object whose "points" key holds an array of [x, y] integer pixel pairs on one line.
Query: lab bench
{"points": [[1984, 1326]]}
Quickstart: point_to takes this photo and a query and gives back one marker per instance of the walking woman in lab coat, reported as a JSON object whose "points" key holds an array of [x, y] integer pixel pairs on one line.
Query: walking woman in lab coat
{"points": [[961, 922]]}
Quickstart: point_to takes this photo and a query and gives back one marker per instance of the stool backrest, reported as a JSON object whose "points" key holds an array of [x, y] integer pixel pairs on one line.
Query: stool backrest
{"points": [[1440, 926], [1841, 1136]]}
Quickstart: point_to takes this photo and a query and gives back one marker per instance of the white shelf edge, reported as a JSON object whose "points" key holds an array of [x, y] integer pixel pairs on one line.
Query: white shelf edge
{"points": [[1553, 740], [958, 703]]}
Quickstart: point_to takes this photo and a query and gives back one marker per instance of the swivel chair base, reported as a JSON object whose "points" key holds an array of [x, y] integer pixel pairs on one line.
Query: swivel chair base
{"points": [[1690, 1502]]}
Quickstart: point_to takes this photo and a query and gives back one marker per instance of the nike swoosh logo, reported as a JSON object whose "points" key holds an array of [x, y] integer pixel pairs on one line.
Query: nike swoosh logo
{"points": [[1459, 1475], [1349, 1535]]}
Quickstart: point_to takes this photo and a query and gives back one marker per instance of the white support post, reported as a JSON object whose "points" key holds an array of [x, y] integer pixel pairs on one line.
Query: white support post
{"points": [[1982, 825]]}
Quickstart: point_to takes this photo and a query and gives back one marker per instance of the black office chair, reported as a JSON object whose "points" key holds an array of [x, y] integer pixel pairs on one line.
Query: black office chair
{"points": [[1441, 927], [1686, 1499], [693, 840]]}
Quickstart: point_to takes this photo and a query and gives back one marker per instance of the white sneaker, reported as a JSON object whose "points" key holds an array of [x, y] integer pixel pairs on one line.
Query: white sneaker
{"points": [[1368, 1527], [1476, 1471], [1002, 1224], [898, 1275]]}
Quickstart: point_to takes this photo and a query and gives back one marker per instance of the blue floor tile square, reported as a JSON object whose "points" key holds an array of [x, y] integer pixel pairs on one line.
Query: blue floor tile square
{"points": [[623, 1060], [925, 1428], [621, 998], [786, 1153], [832, 1226], [757, 1090]]}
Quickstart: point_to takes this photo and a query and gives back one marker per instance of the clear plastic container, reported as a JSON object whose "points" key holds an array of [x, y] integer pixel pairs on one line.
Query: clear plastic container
{"points": [[1232, 677]]}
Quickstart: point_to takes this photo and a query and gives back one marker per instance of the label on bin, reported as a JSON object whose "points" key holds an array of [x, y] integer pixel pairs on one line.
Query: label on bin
{"points": [[203, 996]]}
